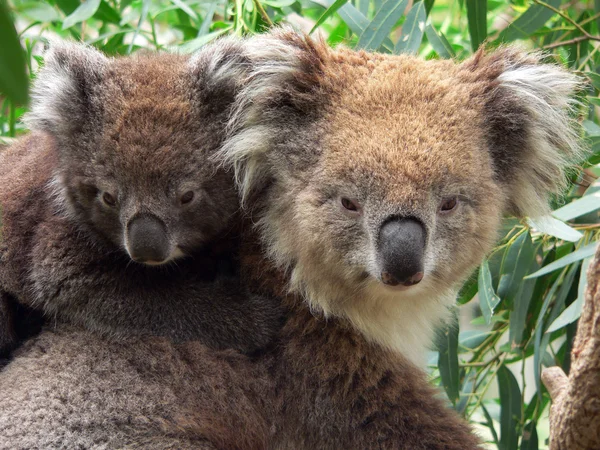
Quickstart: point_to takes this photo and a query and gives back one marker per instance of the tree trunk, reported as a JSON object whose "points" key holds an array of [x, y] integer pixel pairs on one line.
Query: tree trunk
{"points": [[575, 411]]}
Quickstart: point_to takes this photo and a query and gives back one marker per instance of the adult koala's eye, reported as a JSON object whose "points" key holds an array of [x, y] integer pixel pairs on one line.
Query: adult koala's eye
{"points": [[448, 204], [350, 205], [108, 199], [187, 197]]}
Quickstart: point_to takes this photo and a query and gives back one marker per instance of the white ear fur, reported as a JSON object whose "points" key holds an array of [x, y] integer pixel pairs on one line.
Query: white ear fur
{"points": [[276, 58], [56, 93], [552, 140]]}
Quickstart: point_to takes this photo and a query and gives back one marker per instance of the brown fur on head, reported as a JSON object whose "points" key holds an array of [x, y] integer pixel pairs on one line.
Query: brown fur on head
{"points": [[343, 143], [120, 123]]}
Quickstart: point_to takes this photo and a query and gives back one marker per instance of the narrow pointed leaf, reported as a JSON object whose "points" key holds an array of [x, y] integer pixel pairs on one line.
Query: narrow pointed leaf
{"points": [[510, 409], [579, 207], [556, 228], [439, 42], [13, 75], [375, 33], [477, 18], [488, 300], [448, 360], [529, 22], [412, 30], [530, 437], [328, 13], [577, 255], [83, 12], [573, 311]]}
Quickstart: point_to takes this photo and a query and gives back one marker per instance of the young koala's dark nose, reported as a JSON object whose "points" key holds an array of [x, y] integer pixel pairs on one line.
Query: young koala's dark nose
{"points": [[401, 250], [147, 240]]}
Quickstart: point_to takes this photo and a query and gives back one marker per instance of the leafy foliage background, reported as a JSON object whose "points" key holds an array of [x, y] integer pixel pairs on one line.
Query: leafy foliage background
{"points": [[519, 310]]}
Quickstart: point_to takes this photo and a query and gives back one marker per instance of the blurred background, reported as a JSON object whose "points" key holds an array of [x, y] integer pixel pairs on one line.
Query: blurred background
{"points": [[519, 310]]}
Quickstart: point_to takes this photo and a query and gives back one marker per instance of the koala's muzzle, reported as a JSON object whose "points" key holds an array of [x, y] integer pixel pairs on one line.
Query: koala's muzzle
{"points": [[401, 250], [147, 239]]}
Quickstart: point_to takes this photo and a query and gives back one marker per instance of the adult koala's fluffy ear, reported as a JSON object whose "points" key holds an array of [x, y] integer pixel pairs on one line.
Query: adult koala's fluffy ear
{"points": [[532, 135], [62, 95], [281, 93], [218, 71]]}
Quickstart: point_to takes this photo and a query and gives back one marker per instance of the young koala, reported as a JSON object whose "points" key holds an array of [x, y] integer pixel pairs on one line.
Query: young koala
{"points": [[114, 216], [378, 183]]}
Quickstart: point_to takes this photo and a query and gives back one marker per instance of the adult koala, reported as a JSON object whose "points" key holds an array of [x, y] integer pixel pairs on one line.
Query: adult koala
{"points": [[378, 183]]}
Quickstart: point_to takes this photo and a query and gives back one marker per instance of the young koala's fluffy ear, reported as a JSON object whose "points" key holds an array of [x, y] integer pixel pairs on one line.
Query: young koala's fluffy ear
{"points": [[62, 99], [281, 91], [532, 135]]}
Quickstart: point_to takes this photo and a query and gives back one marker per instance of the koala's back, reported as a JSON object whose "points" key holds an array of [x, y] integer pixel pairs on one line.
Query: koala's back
{"points": [[71, 389]]}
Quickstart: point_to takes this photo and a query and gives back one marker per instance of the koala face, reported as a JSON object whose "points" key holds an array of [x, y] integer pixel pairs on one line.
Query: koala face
{"points": [[136, 136], [384, 178]]}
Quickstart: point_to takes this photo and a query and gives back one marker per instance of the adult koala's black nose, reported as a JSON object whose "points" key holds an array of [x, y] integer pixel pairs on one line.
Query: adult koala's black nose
{"points": [[401, 251], [147, 240]]}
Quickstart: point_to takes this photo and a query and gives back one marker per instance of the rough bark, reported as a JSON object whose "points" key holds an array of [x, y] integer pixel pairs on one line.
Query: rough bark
{"points": [[575, 411]]}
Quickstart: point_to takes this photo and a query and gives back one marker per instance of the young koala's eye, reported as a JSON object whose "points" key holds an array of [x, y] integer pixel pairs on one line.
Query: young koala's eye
{"points": [[448, 204], [350, 205], [187, 197], [108, 199]]}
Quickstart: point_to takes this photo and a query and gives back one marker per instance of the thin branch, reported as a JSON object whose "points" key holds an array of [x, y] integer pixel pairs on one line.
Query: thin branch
{"points": [[586, 36], [263, 13], [570, 42]]}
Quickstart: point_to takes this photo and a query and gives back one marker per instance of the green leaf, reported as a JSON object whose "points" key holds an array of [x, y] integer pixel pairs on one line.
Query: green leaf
{"points": [[471, 339], [515, 266], [279, 3], [477, 17], [13, 75], [530, 437], [374, 34], [573, 311], [448, 359], [510, 409], [39, 12], [579, 207], [518, 317], [577, 255], [143, 14], [199, 42], [328, 13], [439, 42], [412, 30], [490, 423], [488, 300], [540, 338], [529, 22], [210, 12], [185, 8], [591, 128], [553, 227], [468, 291], [86, 10]]}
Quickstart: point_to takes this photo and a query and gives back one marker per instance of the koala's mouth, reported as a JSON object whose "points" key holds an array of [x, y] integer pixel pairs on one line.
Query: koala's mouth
{"points": [[175, 254]]}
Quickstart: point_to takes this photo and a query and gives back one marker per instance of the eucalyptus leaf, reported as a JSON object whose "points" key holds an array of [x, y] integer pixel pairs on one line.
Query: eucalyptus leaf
{"points": [[375, 33], [529, 22], [13, 76], [412, 30], [579, 207], [556, 228], [488, 300], [570, 258], [439, 42], [448, 359], [85, 11], [530, 437], [328, 13], [477, 19], [510, 409], [573, 311]]}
